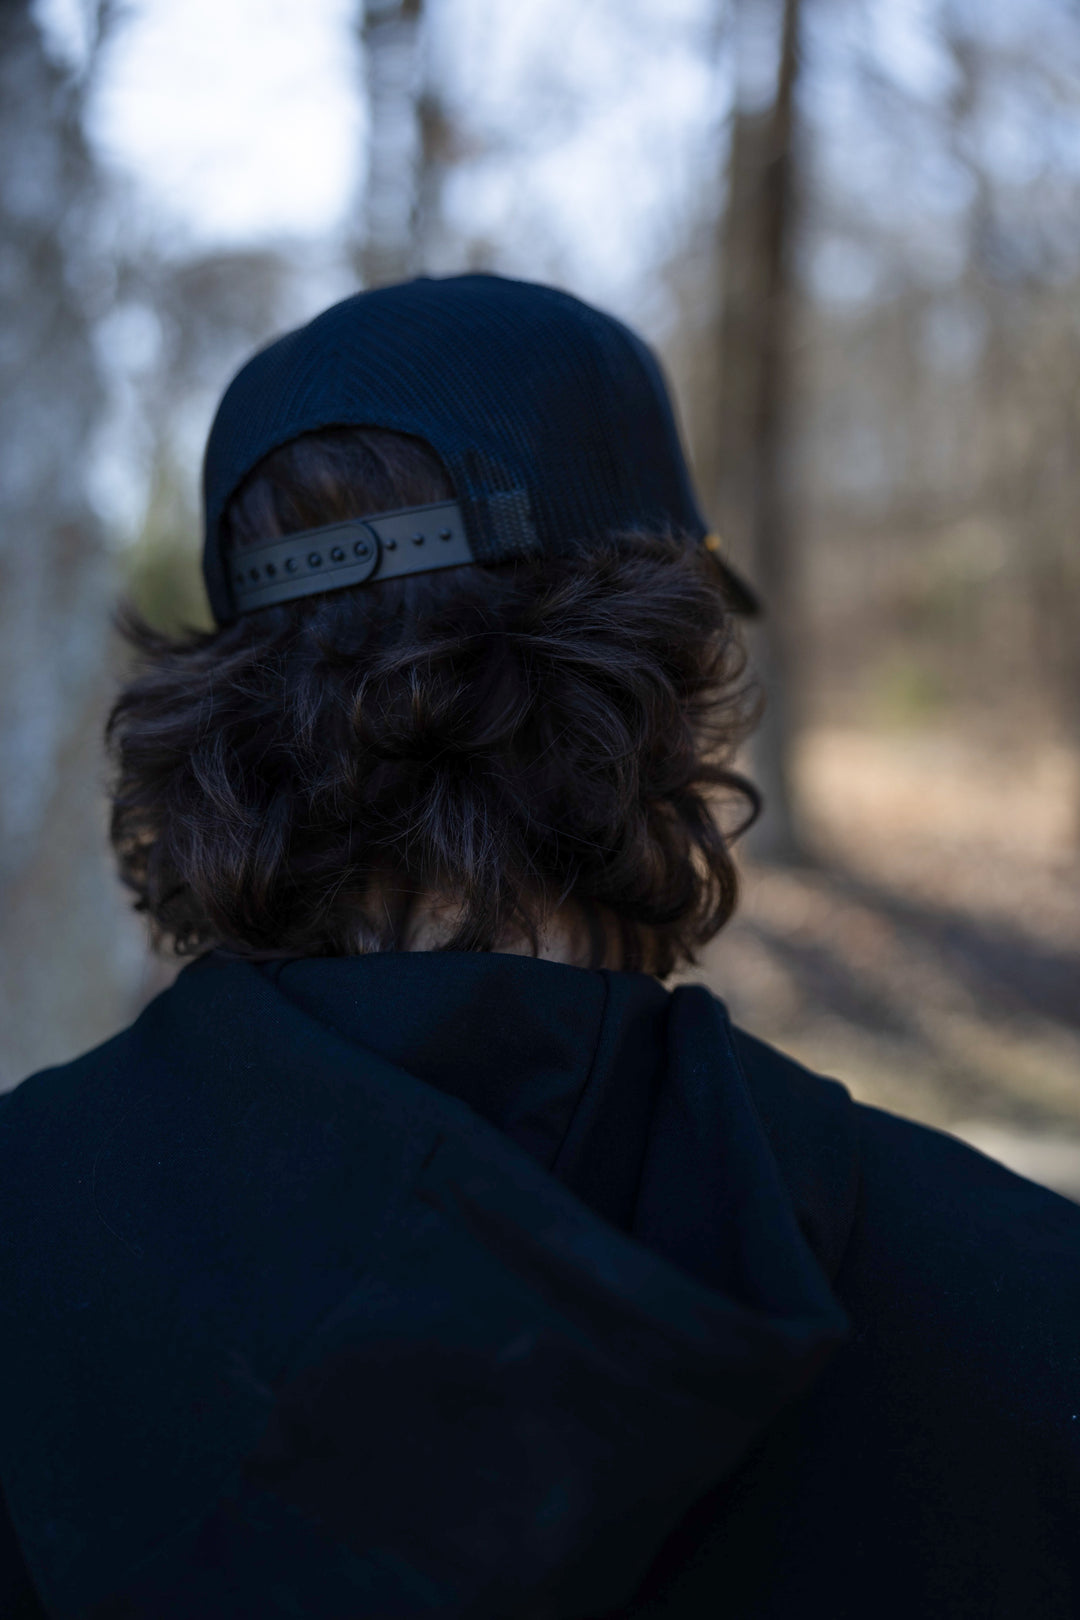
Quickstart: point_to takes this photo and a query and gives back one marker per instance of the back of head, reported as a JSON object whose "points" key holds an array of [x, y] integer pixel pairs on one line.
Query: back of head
{"points": [[542, 732]]}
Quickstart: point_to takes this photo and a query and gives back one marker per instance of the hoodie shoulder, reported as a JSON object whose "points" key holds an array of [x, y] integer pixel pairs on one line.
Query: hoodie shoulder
{"points": [[949, 1260], [982, 1256], [903, 1169]]}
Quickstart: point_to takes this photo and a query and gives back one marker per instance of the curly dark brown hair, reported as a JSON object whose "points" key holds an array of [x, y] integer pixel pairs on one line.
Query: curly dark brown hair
{"points": [[525, 738]]}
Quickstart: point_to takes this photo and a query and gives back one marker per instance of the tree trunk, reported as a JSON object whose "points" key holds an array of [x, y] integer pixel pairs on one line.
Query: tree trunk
{"points": [[752, 477], [391, 33], [70, 959]]}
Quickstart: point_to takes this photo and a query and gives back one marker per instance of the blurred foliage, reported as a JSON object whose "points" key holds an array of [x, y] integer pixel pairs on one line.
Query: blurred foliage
{"points": [[163, 581], [161, 572], [902, 692]]}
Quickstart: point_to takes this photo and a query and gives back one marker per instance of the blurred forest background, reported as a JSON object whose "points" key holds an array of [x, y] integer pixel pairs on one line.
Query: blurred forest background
{"points": [[851, 227]]}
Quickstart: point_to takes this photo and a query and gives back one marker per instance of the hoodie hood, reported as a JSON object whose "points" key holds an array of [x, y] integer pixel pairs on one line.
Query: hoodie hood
{"points": [[400, 1285]]}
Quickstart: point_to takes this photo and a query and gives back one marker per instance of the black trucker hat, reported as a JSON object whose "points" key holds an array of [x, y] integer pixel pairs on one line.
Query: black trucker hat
{"points": [[552, 420]]}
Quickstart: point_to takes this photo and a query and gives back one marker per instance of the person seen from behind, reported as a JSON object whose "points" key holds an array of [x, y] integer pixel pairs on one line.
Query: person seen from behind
{"points": [[428, 1248]]}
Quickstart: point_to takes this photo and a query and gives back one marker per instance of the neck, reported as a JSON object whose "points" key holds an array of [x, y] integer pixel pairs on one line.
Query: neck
{"points": [[565, 935]]}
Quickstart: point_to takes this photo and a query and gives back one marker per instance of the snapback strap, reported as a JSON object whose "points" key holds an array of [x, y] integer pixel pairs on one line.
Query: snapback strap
{"points": [[411, 540]]}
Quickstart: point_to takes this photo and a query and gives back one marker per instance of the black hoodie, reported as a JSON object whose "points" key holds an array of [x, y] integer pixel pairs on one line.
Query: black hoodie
{"points": [[481, 1286]]}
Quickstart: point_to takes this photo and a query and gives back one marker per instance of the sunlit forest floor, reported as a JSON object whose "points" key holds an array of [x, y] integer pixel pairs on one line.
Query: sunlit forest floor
{"points": [[930, 956]]}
